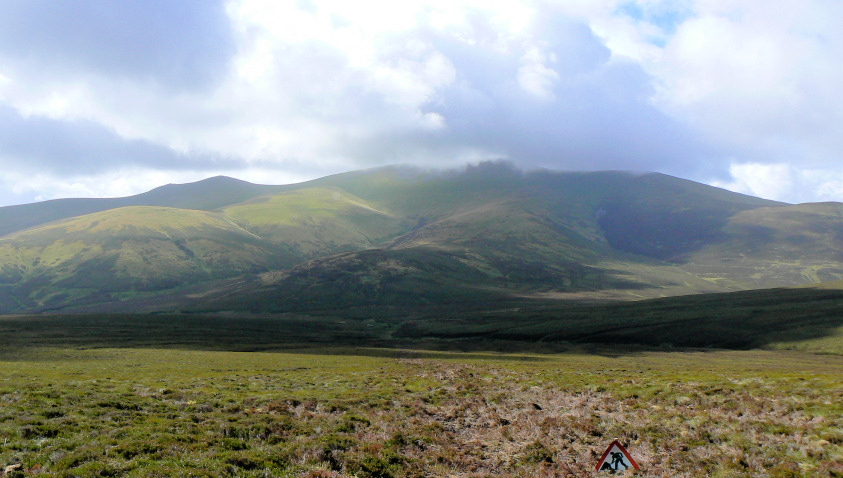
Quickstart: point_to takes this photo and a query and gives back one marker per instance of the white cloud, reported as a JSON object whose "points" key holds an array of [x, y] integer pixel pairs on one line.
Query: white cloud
{"points": [[697, 88], [126, 182], [306, 85], [534, 76], [759, 77], [769, 181], [785, 182]]}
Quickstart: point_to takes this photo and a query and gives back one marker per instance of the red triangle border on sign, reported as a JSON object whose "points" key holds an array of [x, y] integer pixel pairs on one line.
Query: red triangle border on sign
{"points": [[621, 447]]}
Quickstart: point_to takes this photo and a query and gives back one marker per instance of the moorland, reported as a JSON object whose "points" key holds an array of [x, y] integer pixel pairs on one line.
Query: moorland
{"points": [[81, 402]]}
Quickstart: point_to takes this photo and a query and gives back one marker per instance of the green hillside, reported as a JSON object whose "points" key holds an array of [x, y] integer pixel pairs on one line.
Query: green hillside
{"points": [[317, 221], [775, 247], [206, 195], [494, 231], [648, 214], [668, 218], [509, 245], [128, 250]]}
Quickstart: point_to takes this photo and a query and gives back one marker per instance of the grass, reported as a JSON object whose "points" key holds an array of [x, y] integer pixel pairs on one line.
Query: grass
{"points": [[317, 221], [774, 246], [125, 250], [139, 221], [68, 411]]}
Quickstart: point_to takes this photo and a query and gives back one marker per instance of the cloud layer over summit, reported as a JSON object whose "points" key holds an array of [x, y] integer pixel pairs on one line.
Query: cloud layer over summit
{"points": [[102, 98]]}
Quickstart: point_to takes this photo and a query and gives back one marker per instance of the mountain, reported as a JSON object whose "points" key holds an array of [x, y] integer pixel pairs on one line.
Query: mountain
{"points": [[315, 221], [399, 237], [492, 231], [205, 195], [775, 247], [135, 249]]}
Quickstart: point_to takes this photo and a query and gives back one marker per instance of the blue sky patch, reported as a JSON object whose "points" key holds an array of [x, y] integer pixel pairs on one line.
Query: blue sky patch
{"points": [[667, 16]]}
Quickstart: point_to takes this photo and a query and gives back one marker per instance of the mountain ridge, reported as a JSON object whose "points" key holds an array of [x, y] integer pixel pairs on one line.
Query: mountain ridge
{"points": [[186, 196], [396, 235]]}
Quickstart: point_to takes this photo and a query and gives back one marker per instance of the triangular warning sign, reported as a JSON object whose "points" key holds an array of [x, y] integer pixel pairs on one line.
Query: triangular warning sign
{"points": [[616, 459]]}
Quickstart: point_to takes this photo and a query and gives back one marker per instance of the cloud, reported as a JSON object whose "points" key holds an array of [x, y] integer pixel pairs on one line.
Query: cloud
{"points": [[542, 90], [47, 146], [594, 112], [18, 188], [703, 89], [760, 78], [761, 180], [785, 182], [172, 44]]}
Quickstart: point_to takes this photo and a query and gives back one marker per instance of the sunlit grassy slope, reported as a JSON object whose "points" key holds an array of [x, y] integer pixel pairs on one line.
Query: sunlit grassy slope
{"points": [[206, 195], [494, 230], [833, 285], [317, 221], [126, 250]]}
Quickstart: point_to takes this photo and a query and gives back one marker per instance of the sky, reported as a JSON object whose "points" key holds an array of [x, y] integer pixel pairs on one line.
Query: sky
{"points": [[102, 99]]}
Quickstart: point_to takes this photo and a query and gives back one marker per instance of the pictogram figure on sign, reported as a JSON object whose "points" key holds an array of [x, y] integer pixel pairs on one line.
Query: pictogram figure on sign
{"points": [[617, 461]]}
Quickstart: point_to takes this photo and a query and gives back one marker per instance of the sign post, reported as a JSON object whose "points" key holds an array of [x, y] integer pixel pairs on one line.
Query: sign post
{"points": [[616, 459]]}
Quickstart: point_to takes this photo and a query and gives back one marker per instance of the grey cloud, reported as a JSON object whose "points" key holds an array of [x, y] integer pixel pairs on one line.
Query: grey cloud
{"points": [[183, 44], [600, 115], [82, 147], [578, 49]]}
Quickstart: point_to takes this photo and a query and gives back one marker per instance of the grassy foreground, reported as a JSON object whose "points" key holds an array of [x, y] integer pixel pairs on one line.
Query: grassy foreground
{"points": [[69, 411]]}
